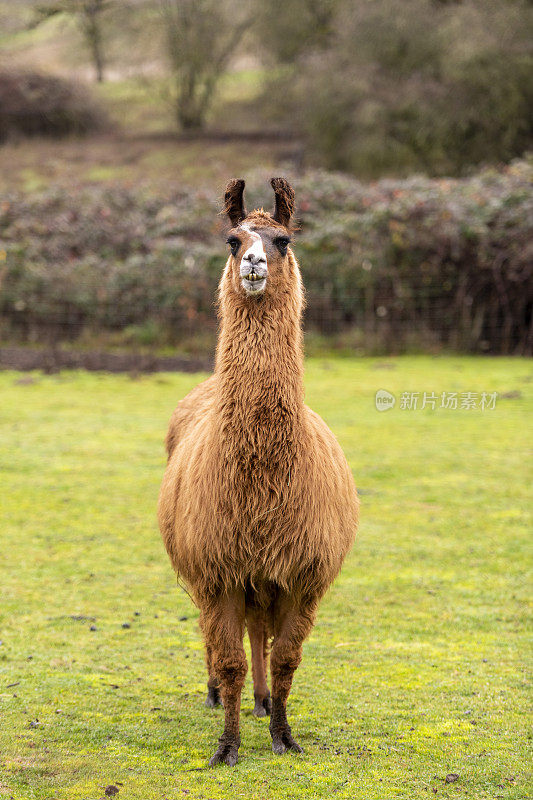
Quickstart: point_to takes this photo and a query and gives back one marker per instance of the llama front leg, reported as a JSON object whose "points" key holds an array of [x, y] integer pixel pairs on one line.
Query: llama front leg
{"points": [[223, 627], [213, 698], [258, 634], [292, 623]]}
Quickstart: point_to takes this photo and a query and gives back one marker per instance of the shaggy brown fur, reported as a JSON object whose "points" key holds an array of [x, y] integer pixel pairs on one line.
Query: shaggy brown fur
{"points": [[258, 507]]}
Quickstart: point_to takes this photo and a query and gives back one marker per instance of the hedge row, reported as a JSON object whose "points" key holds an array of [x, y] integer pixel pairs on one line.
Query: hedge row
{"points": [[416, 262]]}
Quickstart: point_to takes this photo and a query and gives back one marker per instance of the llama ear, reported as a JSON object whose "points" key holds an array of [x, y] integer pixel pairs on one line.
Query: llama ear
{"points": [[233, 202], [284, 194]]}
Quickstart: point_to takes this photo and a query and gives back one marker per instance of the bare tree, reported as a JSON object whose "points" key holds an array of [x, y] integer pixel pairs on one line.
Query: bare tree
{"points": [[90, 17], [201, 38], [90, 20]]}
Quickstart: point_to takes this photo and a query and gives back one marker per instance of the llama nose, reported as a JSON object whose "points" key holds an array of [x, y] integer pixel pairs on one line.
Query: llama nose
{"points": [[254, 260]]}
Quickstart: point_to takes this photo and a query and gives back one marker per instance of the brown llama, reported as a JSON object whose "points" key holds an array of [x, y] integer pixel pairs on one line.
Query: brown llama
{"points": [[258, 507]]}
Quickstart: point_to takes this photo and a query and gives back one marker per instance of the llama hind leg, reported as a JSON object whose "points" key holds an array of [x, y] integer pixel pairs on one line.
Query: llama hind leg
{"points": [[223, 626], [292, 624], [258, 635]]}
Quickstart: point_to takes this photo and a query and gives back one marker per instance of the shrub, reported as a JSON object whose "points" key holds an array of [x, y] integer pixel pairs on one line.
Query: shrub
{"points": [[33, 104], [393, 86], [418, 262]]}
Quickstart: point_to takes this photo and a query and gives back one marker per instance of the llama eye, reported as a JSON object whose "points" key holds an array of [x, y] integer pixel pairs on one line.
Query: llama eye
{"points": [[282, 242], [234, 244]]}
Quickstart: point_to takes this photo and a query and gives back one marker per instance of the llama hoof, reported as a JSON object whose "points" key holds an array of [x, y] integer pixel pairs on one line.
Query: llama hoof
{"points": [[283, 742], [213, 698], [225, 754], [263, 706]]}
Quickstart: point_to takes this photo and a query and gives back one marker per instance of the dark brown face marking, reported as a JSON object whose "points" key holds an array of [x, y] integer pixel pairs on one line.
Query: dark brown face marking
{"points": [[272, 240]]}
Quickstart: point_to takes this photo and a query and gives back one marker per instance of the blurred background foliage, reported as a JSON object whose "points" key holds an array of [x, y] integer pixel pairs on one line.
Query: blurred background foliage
{"points": [[114, 237], [371, 87], [402, 85]]}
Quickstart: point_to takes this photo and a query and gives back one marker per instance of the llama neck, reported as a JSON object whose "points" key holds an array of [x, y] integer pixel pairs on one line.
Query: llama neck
{"points": [[259, 366]]}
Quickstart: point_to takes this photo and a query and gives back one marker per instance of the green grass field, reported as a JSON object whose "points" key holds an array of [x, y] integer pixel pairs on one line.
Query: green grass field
{"points": [[416, 669]]}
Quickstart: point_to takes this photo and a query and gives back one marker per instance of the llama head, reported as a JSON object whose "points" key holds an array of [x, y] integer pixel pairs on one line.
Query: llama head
{"points": [[260, 259]]}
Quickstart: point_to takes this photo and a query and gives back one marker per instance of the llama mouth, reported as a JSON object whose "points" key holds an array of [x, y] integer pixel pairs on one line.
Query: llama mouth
{"points": [[253, 283]]}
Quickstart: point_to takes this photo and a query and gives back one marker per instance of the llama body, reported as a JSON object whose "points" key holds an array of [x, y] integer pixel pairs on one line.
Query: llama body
{"points": [[258, 506]]}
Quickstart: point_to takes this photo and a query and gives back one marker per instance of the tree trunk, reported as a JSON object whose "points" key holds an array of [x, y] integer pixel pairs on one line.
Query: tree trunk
{"points": [[93, 35]]}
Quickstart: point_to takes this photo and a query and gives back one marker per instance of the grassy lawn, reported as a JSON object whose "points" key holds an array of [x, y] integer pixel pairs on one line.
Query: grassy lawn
{"points": [[417, 667]]}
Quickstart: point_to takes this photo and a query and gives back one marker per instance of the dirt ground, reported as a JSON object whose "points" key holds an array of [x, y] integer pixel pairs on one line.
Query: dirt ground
{"points": [[52, 360]]}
